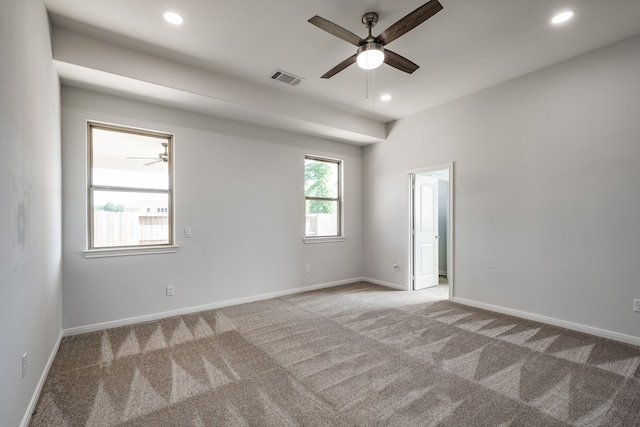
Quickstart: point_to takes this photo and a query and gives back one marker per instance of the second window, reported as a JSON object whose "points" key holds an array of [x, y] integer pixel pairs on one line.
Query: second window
{"points": [[323, 198]]}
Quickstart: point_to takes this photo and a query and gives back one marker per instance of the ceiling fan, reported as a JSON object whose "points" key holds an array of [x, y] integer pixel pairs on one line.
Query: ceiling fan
{"points": [[162, 157], [371, 51]]}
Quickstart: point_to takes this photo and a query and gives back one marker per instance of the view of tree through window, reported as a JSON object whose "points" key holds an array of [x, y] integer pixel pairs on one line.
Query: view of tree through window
{"points": [[322, 197], [130, 187]]}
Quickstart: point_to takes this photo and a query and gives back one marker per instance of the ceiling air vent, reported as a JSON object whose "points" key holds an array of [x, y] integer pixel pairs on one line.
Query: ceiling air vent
{"points": [[288, 78]]}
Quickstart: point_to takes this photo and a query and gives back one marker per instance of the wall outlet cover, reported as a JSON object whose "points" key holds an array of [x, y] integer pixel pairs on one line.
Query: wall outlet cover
{"points": [[636, 305]]}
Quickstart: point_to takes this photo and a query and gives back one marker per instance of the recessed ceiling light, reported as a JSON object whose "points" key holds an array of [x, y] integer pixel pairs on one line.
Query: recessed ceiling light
{"points": [[385, 97], [562, 17], [173, 18]]}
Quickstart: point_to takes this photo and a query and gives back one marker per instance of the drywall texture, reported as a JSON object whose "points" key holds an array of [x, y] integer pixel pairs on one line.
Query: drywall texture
{"points": [[30, 236], [546, 190], [240, 189]]}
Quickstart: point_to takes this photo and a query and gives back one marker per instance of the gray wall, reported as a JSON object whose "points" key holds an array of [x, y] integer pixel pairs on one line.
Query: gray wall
{"points": [[31, 202], [546, 190], [238, 186]]}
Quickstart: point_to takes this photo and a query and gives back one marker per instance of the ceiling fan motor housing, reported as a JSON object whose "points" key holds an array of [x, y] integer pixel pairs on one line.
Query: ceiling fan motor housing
{"points": [[370, 19]]}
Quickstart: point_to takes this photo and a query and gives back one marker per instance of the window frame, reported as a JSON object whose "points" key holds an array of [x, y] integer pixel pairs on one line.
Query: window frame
{"points": [[104, 251], [339, 237]]}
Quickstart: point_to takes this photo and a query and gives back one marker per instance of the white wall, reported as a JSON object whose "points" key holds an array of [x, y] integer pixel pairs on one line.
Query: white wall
{"points": [[225, 174], [546, 203], [30, 218]]}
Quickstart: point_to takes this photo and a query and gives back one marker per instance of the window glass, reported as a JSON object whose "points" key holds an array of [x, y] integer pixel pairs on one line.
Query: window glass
{"points": [[321, 178], [129, 160], [322, 197], [130, 187], [129, 218]]}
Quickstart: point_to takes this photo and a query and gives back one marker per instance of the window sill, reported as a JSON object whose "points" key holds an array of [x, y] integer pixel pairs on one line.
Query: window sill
{"points": [[336, 239], [152, 250]]}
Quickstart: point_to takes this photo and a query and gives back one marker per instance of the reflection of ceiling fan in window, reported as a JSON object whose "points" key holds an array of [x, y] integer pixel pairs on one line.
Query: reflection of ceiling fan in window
{"points": [[162, 157]]}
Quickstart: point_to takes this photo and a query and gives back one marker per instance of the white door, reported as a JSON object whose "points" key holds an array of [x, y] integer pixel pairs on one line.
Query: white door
{"points": [[425, 232]]}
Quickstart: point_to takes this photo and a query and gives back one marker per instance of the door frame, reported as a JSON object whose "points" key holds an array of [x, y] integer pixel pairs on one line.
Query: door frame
{"points": [[409, 255]]}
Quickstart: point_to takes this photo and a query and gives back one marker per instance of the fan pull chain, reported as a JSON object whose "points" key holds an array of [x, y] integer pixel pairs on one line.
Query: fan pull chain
{"points": [[373, 89], [366, 85], [366, 93]]}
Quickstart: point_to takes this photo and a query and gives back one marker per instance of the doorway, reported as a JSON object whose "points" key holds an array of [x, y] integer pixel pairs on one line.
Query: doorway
{"points": [[430, 229]]}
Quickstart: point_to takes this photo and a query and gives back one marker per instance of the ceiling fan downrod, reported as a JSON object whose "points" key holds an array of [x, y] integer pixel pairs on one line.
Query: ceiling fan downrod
{"points": [[370, 20]]}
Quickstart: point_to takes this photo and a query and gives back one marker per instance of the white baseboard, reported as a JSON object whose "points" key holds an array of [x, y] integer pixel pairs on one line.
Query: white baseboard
{"points": [[385, 284], [36, 394], [188, 310], [629, 339]]}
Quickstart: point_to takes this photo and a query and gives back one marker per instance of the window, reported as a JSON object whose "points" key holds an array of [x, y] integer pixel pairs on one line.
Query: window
{"points": [[130, 187], [323, 197]]}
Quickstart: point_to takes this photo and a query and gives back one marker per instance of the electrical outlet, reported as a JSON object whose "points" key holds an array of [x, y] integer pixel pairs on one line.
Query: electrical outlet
{"points": [[307, 268], [24, 365], [636, 305], [170, 290]]}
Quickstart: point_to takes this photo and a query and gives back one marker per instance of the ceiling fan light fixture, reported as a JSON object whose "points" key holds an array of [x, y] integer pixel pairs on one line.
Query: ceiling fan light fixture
{"points": [[370, 56]]}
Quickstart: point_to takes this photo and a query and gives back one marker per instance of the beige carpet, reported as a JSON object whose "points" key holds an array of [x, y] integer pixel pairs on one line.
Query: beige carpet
{"points": [[352, 355]]}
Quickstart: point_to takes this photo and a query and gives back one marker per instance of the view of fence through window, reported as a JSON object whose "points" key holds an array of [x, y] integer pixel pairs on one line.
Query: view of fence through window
{"points": [[322, 197], [130, 189]]}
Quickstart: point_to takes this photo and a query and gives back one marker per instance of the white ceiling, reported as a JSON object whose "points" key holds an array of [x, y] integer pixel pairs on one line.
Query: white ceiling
{"points": [[468, 46]]}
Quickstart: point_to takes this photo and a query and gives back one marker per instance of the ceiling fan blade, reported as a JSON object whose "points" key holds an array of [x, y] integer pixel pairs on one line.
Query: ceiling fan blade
{"points": [[399, 62], [409, 22], [336, 30], [341, 66]]}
